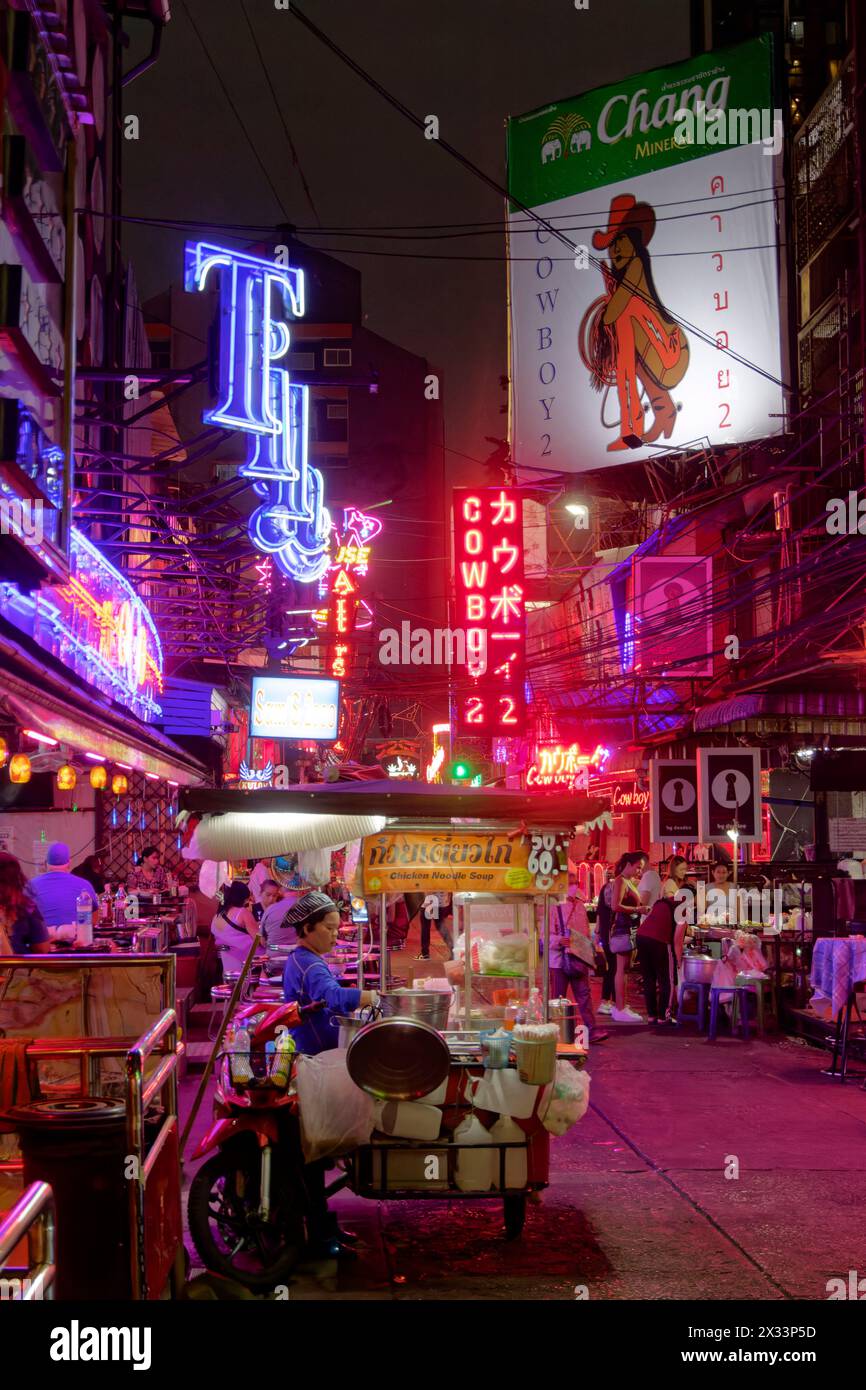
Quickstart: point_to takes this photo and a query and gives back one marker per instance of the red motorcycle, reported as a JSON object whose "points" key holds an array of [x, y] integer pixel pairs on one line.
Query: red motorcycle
{"points": [[248, 1205]]}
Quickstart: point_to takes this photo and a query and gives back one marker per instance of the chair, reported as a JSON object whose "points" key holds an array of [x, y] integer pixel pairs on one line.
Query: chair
{"points": [[739, 1015], [701, 1004], [755, 987]]}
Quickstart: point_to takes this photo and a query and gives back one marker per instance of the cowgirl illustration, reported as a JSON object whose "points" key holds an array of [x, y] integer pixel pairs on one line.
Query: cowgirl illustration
{"points": [[628, 338]]}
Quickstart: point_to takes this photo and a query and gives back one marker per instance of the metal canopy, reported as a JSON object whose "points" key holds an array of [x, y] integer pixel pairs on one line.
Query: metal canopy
{"points": [[415, 801]]}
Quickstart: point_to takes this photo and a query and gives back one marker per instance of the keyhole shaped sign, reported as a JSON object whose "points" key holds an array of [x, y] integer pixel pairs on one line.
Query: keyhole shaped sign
{"points": [[729, 782], [674, 800]]}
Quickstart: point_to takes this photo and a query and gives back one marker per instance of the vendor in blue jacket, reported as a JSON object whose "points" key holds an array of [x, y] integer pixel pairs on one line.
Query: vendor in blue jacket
{"points": [[307, 979]]}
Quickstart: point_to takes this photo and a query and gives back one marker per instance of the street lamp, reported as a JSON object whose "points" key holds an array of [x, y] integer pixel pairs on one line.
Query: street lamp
{"points": [[733, 836]]}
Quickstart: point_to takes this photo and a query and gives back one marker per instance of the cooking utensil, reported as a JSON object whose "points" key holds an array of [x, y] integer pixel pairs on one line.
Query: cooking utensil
{"points": [[398, 1059], [699, 970]]}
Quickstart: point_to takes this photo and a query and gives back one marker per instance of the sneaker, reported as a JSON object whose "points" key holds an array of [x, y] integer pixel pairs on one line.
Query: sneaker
{"points": [[422, 957], [625, 1016], [604, 1007]]}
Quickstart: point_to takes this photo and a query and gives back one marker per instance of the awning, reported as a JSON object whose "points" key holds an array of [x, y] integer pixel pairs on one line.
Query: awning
{"points": [[41, 699], [812, 708], [408, 800]]}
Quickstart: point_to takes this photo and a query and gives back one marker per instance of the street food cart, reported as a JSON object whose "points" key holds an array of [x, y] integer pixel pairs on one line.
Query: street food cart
{"points": [[492, 849]]}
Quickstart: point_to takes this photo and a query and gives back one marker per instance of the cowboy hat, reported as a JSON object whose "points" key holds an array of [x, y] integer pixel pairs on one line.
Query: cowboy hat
{"points": [[626, 214]]}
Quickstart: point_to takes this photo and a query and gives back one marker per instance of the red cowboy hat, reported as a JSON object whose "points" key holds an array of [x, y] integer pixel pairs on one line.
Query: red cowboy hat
{"points": [[626, 214]]}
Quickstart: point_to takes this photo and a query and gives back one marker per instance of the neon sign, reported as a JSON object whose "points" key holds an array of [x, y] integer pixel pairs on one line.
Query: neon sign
{"points": [[565, 767], [628, 797], [257, 397], [489, 580], [345, 610], [97, 626]]}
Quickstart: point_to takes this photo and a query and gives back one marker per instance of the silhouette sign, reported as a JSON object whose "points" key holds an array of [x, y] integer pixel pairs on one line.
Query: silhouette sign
{"points": [[729, 784], [674, 800]]}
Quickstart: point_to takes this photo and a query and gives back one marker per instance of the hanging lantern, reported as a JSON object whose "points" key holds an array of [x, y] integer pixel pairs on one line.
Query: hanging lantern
{"points": [[66, 778], [98, 778], [19, 768], [4, 751], [119, 784]]}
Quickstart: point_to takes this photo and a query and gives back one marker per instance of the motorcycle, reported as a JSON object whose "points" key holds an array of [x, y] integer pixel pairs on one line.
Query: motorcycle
{"points": [[248, 1206]]}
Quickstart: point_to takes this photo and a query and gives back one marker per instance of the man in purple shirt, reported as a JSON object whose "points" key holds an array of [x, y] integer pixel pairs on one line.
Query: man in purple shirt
{"points": [[57, 890]]}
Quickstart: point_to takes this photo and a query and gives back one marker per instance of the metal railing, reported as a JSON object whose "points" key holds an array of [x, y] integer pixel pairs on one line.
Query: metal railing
{"points": [[32, 1216]]}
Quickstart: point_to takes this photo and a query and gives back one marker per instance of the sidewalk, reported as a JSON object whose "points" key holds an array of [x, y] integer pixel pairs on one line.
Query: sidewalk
{"points": [[639, 1205]]}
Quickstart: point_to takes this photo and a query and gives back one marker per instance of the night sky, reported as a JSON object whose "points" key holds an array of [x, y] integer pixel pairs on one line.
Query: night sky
{"points": [[469, 62]]}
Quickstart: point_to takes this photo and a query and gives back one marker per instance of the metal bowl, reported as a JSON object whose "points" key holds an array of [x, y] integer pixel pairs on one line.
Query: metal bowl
{"points": [[699, 970], [430, 1005], [398, 1059]]}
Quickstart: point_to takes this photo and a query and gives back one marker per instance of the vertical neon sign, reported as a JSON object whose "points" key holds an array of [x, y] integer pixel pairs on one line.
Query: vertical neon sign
{"points": [[340, 587], [257, 397], [489, 585]]}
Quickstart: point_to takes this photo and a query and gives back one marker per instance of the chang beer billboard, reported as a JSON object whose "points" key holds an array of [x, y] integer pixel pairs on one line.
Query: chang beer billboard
{"points": [[643, 337]]}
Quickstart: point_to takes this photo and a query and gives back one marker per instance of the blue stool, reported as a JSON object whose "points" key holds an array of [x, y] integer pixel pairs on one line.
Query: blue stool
{"points": [[701, 1007], [739, 1007]]}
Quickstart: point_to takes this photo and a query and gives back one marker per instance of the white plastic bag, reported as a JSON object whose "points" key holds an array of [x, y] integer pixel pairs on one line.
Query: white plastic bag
{"points": [[336, 1115], [565, 1100], [314, 866]]}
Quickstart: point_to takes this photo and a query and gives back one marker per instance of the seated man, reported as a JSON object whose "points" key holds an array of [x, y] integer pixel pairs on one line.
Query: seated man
{"points": [[272, 923], [57, 891]]}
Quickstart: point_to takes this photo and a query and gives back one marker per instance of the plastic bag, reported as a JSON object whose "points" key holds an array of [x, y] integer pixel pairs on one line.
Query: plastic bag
{"points": [[724, 974], [336, 1115], [565, 1100], [505, 955], [314, 866]]}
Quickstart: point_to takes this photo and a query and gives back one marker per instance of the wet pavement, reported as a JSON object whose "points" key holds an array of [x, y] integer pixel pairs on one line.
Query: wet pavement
{"points": [[726, 1170]]}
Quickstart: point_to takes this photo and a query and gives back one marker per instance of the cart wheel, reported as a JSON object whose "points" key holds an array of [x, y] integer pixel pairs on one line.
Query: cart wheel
{"points": [[514, 1211]]}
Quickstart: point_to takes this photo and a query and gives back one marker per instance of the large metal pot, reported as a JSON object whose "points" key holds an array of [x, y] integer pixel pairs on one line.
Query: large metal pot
{"points": [[699, 970], [429, 1005]]}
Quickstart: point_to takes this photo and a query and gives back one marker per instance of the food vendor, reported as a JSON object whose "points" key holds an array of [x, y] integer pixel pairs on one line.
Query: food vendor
{"points": [[308, 980]]}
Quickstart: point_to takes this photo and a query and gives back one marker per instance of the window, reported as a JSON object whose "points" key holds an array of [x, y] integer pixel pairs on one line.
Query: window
{"points": [[338, 357], [338, 411]]}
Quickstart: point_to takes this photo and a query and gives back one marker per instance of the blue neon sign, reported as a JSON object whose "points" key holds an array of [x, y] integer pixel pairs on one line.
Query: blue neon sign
{"points": [[257, 397]]}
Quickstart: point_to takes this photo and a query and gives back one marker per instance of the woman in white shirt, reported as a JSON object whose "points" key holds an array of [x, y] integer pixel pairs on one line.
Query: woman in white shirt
{"points": [[234, 927]]}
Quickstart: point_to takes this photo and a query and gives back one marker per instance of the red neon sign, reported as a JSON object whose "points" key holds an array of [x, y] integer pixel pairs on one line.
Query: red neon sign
{"points": [[345, 610], [490, 593], [558, 766]]}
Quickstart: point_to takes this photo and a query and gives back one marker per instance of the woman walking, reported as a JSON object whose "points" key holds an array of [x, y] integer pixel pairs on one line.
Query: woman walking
{"points": [[655, 952], [603, 924], [627, 913]]}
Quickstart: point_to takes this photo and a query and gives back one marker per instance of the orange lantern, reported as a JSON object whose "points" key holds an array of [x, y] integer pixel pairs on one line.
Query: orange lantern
{"points": [[19, 768], [119, 784], [98, 778], [66, 778], [4, 751]]}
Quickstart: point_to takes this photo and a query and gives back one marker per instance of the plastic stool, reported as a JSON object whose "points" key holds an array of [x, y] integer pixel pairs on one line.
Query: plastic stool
{"points": [[756, 988], [738, 1015], [701, 991]]}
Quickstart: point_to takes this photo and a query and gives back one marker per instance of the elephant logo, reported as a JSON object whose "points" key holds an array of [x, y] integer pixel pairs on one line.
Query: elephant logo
{"points": [[566, 135]]}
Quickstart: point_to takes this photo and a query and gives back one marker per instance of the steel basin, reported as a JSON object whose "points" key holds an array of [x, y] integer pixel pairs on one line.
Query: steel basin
{"points": [[398, 1059], [429, 1005]]}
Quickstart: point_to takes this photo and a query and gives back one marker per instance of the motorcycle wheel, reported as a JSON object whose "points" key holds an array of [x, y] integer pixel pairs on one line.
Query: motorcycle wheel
{"points": [[228, 1232]]}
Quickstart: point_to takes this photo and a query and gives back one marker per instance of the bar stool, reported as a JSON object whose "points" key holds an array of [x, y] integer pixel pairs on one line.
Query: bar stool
{"points": [[755, 987], [738, 1015], [220, 995], [700, 1006]]}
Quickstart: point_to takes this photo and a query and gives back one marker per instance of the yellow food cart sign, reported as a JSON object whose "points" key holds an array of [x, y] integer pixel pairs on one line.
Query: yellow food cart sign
{"points": [[464, 861]]}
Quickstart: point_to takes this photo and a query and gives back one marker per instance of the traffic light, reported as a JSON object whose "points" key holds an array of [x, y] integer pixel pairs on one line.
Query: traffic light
{"points": [[461, 770]]}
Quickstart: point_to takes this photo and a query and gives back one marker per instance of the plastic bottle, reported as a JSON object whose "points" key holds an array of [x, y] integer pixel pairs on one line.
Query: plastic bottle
{"points": [[534, 1010], [240, 1065], [84, 919], [281, 1067], [120, 907]]}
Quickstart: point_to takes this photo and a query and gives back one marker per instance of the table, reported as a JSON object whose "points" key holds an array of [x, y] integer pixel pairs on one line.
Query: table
{"points": [[838, 966]]}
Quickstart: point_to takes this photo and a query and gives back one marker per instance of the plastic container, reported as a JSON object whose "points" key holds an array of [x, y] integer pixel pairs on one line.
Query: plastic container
{"points": [[505, 1131], [536, 1059], [84, 919], [474, 1170], [410, 1120], [496, 1048]]}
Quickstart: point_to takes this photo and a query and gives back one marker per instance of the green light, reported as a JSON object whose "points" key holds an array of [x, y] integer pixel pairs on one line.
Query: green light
{"points": [[460, 771]]}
